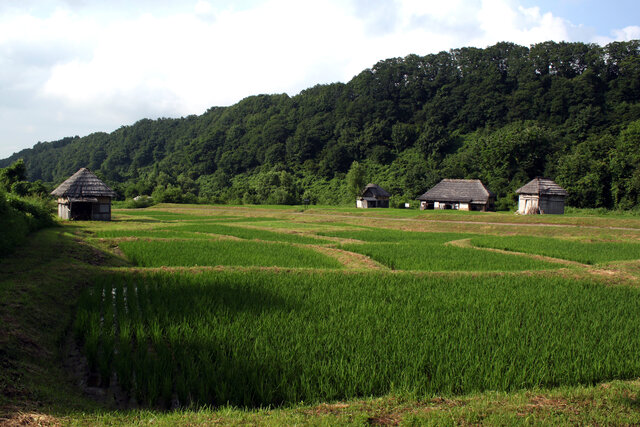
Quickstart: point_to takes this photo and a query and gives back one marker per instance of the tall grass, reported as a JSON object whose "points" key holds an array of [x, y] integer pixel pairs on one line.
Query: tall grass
{"points": [[259, 338], [189, 253]]}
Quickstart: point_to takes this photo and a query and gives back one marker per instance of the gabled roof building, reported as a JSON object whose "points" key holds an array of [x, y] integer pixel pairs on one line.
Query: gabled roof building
{"points": [[458, 194], [373, 196], [84, 196], [541, 196]]}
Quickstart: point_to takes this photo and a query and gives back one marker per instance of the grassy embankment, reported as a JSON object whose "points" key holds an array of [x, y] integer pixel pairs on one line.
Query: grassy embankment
{"points": [[330, 337]]}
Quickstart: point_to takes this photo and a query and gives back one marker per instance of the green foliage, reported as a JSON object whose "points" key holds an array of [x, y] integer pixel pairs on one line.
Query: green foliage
{"points": [[13, 174], [503, 114], [23, 209], [14, 225], [356, 180], [256, 338], [136, 203]]}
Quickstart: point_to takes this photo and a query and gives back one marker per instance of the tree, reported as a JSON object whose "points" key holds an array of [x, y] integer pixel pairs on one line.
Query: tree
{"points": [[12, 174], [356, 179], [625, 168]]}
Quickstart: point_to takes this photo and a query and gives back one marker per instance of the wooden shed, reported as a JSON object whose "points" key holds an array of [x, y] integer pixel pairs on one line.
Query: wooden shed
{"points": [[458, 194], [84, 197], [541, 196], [373, 196]]}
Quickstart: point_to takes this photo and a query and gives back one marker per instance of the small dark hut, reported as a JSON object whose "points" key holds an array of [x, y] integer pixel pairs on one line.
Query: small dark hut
{"points": [[458, 194], [541, 196], [373, 196], [84, 197]]}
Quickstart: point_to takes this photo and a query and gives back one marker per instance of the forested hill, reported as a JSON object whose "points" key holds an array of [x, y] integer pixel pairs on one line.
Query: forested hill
{"points": [[504, 114]]}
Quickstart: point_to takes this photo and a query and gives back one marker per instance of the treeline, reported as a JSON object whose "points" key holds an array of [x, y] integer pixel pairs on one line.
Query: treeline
{"points": [[24, 207], [504, 114]]}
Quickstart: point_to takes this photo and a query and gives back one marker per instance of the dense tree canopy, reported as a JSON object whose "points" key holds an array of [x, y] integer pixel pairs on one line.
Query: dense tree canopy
{"points": [[504, 114]]}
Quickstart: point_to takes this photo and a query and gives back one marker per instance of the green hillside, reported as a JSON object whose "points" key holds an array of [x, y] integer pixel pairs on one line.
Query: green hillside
{"points": [[503, 114]]}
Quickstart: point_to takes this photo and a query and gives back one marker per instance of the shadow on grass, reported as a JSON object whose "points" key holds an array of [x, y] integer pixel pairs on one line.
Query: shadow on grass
{"points": [[40, 284], [198, 356]]}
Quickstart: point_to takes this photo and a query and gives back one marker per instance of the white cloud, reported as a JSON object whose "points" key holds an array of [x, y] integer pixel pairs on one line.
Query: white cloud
{"points": [[628, 33]]}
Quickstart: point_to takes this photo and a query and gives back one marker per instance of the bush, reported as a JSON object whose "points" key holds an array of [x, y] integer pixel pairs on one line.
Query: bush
{"points": [[137, 203], [37, 211], [20, 216]]}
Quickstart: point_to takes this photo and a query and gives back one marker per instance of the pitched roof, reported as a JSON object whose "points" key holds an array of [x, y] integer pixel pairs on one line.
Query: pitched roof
{"points": [[458, 190], [83, 183], [374, 190], [540, 185]]}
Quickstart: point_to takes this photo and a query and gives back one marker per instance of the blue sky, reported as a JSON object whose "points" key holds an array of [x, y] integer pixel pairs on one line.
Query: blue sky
{"points": [[603, 16], [73, 67]]}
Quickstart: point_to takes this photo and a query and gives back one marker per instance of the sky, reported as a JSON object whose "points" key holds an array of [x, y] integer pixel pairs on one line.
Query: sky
{"points": [[74, 67]]}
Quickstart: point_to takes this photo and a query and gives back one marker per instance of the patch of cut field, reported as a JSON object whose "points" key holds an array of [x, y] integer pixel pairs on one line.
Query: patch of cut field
{"points": [[350, 260]]}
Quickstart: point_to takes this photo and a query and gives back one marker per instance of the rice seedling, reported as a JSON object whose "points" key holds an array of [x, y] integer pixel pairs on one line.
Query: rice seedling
{"points": [[263, 338], [249, 233], [584, 252], [404, 250], [166, 233], [190, 253], [433, 255]]}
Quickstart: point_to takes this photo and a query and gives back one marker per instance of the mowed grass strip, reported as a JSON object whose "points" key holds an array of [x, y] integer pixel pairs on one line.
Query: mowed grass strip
{"points": [[189, 253], [584, 252], [262, 338]]}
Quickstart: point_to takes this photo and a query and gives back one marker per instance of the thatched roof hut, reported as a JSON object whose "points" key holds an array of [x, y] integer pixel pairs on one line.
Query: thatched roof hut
{"points": [[541, 196], [373, 196], [83, 196], [459, 194]]}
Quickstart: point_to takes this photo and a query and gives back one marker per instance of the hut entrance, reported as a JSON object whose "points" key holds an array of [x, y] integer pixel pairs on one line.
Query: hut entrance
{"points": [[81, 210]]}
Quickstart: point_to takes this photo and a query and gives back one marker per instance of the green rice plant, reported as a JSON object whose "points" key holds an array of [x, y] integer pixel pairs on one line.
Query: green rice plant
{"points": [[370, 234], [435, 256], [166, 233], [584, 252], [262, 338], [223, 252], [250, 233], [160, 215]]}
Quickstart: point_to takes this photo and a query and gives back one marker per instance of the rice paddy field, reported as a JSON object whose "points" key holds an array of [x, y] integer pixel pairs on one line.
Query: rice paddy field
{"points": [[252, 307], [275, 315]]}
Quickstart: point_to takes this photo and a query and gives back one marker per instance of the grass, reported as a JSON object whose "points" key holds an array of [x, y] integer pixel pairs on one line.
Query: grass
{"points": [[435, 256], [580, 251], [545, 339], [188, 253], [158, 233], [404, 250], [258, 338], [249, 233]]}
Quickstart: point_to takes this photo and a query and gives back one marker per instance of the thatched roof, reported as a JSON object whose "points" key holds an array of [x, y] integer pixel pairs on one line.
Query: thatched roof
{"points": [[83, 184], [374, 190], [541, 186], [458, 190]]}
